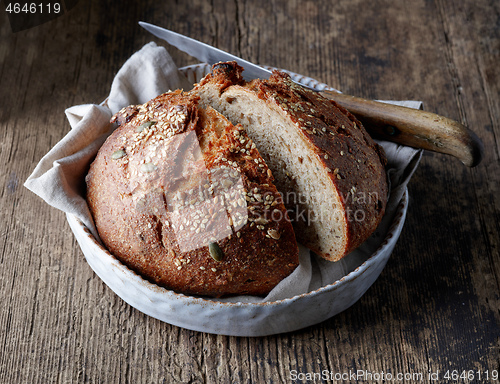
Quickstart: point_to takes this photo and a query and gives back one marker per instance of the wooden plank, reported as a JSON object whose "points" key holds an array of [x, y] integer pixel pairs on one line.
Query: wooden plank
{"points": [[436, 305]]}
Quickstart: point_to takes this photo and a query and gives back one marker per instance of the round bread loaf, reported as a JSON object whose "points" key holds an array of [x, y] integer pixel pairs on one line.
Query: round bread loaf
{"points": [[183, 197], [329, 170]]}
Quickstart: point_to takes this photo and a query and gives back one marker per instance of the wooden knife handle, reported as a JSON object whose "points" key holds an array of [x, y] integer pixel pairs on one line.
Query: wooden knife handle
{"points": [[413, 127]]}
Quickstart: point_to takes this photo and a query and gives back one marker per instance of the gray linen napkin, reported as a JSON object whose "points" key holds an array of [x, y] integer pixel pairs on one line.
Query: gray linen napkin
{"points": [[59, 176]]}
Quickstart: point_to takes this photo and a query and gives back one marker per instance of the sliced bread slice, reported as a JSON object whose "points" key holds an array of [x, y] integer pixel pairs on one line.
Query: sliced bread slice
{"points": [[329, 171]]}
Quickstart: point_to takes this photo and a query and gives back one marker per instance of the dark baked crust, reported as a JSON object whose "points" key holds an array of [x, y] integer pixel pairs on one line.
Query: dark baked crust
{"points": [[355, 163], [188, 202]]}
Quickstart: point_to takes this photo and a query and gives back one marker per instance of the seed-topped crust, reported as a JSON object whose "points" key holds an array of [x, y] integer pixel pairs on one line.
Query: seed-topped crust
{"points": [[184, 198], [317, 150]]}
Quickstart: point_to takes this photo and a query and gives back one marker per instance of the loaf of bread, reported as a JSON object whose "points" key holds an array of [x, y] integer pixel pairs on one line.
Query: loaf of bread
{"points": [[329, 170], [198, 191], [182, 196]]}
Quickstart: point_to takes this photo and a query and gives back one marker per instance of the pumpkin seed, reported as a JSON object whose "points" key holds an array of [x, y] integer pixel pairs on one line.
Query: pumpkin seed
{"points": [[215, 251], [118, 154], [145, 125]]}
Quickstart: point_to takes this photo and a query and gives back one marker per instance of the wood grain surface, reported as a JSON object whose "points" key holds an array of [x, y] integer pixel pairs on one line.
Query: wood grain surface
{"points": [[436, 305]]}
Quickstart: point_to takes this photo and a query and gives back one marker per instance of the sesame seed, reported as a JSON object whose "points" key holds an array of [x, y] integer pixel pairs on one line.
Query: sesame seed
{"points": [[273, 233], [261, 220]]}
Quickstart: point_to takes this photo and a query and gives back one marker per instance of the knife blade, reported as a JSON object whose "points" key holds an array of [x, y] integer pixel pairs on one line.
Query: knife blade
{"points": [[406, 126], [204, 52]]}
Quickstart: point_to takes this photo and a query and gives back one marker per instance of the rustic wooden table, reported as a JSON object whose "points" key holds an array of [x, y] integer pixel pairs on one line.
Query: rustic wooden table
{"points": [[436, 306]]}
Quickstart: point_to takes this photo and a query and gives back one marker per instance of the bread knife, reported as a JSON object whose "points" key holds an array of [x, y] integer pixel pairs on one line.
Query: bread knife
{"points": [[403, 125]]}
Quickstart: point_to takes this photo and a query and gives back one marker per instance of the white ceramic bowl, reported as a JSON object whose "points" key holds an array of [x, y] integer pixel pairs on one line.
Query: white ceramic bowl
{"points": [[239, 319]]}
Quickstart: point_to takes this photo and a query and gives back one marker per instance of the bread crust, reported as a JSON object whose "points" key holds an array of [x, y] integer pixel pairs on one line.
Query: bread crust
{"points": [[355, 164], [182, 197]]}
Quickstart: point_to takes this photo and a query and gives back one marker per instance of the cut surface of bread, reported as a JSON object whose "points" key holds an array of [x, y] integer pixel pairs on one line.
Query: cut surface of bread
{"points": [[328, 169]]}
